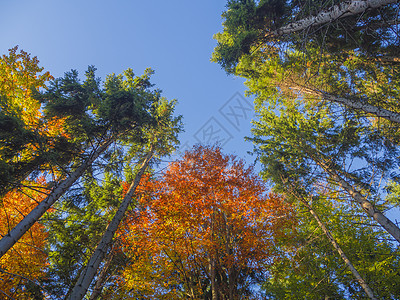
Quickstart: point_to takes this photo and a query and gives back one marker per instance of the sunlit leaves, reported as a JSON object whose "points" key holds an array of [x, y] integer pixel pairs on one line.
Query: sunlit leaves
{"points": [[206, 207], [27, 137], [23, 267], [19, 74]]}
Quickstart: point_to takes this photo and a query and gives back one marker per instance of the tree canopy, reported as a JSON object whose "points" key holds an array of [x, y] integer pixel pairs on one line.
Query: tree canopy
{"points": [[86, 212], [206, 230], [324, 77]]}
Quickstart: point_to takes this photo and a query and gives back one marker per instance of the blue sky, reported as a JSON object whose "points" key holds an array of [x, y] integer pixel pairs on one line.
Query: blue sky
{"points": [[172, 37]]}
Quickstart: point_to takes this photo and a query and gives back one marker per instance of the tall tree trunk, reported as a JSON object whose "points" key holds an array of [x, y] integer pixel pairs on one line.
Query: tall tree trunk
{"points": [[98, 287], [348, 263], [356, 104], [213, 283], [212, 261], [367, 206], [228, 250], [27, 222], [344, 9], [88, 274]]}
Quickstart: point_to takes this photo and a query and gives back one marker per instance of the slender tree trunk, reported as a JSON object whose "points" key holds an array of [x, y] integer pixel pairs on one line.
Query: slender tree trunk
{"points": [[213, 283], [212, 261], [348, 263], [344, 9], [361, 105], [98, 287], [72, 282], [27, 222], [228, 251], [367, 206], [356, 104], [88, 274]]}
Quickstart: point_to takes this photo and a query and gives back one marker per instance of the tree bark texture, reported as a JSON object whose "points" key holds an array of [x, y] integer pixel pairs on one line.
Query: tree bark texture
{"points": [[366, 205], [101, 279], [27, 222], [342, 10], [356, 104], [348, 263], [90, 271]]}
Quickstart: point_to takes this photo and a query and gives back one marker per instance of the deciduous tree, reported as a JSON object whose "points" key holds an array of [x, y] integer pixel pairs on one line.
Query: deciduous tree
{"points": [[161, 137], [95, 116], [30, 141], [22, 269], [206, 230]]}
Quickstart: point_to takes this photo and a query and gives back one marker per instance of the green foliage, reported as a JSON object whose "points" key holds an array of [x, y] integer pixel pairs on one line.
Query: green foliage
{"points": [[244, 27], [127, 102], [251, 24], [313, 270], [75, 227], [293, 138], [122, 104], [141, 119], [125, 107], [14, 136]]}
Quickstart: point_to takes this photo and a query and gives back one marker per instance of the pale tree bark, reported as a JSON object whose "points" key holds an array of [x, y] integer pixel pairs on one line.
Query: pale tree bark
{"points": [[90, 271], [213, 283], [339, 250], [356, 104], [27, 222], [214, 295], [366, 205], [228, 250], [344, 9], [98, 287]]}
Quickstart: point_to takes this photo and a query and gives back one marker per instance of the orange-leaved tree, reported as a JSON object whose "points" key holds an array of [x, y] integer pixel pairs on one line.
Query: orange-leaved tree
{"points": [[206, 230], [22, 268]]}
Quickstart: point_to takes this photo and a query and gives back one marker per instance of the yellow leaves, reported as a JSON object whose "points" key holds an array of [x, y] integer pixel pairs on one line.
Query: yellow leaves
{"points": [[18, 75], [36, 135]]}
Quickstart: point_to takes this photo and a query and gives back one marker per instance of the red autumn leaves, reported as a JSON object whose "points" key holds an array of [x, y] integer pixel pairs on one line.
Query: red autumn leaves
{"points": [[208, 218]]}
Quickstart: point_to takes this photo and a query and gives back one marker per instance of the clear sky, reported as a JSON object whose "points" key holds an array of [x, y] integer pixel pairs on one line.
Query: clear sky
{"points": [[175, 38]]}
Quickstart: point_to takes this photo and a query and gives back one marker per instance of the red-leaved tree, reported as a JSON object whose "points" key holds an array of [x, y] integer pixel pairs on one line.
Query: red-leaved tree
{"points": [[206, 230]]}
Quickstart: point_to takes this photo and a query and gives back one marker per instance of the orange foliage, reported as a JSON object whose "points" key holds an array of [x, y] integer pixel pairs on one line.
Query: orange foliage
{"points": [[207, 207], [24, 264]]}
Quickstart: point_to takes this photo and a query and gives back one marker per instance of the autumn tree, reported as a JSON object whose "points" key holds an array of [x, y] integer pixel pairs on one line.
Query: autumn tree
{"points": [[22, 269], [122, 111], [205, 230], [30, 141], [158, 139]]}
